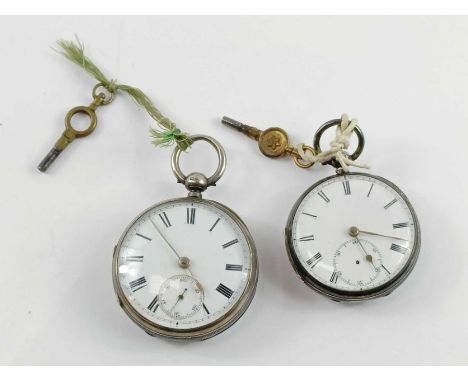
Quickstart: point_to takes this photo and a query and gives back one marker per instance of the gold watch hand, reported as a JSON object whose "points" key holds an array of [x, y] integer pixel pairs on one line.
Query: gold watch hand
{"points": [[368, 257], [355, 231], [371, 260]]}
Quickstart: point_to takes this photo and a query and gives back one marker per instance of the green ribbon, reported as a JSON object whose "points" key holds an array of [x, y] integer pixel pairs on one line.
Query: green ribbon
{"points": [[166, 134]]}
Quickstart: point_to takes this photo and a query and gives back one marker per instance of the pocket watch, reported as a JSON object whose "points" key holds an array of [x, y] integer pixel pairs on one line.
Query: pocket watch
{"points": [[351, 236], [186, 268]]}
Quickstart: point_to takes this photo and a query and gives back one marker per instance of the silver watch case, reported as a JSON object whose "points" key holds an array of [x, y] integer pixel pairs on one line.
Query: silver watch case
{"points": [[209, 330], [339, 295]]}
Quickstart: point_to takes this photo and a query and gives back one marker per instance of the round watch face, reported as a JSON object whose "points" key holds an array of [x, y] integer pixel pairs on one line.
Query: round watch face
{"points": [[353, 236], [185, 268]]}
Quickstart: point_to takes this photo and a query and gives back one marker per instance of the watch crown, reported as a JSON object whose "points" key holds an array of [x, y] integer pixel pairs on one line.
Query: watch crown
{"points": [[196, 182]]}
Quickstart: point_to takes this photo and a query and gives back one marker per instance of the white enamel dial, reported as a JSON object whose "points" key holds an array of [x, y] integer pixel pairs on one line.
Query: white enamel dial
{"points": [[353, 233], [184, 264]]}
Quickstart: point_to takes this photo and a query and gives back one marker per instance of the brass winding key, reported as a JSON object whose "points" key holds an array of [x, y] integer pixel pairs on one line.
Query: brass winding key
{"points": [[70, 133], [272, 142]]}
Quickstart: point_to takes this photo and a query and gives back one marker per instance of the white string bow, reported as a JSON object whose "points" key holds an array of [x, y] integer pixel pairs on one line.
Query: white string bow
{"points": [[337, 148]]}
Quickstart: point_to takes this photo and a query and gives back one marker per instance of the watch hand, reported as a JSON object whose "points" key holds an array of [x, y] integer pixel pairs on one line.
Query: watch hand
{"points": [[184, 262], [368, 257], [355, 231], [164, 238], [180, 297], [371, 260]]}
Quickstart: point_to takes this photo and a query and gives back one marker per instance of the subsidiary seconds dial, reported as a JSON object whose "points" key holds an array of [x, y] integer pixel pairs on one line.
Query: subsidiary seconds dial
{"points": [[360, 256], [181, 297], [353, 236]]}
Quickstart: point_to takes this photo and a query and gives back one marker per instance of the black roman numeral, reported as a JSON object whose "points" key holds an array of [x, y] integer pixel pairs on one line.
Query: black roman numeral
{"points": [[206, 309], [389, 204], [398, 248], [191, 215], [214, 225], [134, 259], [153, 306], [400, 225], [312, 262], [346, 187], [233, 267], [165, 220], [138, 284], [143, 236], [228, 244], [224, 290], [334, 277], [307, 238], [370, 189], [323, 196], [385, 269]]}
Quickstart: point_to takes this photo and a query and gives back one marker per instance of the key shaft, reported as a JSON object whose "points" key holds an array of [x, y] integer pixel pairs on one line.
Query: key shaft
{"points": [[65, 139], [272, 142], [250, 131]]}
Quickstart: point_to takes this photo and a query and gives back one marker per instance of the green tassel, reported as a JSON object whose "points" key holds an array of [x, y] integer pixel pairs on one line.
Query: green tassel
{"points": [[166, 134], [166, 138]]}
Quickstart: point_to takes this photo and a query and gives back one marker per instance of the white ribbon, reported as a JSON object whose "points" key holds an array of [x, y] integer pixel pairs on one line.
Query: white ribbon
{"points": [[337, 148]]}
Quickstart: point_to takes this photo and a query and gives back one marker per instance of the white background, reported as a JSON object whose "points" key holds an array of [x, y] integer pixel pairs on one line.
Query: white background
{"points": [[404, 78]]}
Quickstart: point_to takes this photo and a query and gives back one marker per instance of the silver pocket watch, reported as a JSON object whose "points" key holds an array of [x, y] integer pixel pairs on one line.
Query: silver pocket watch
{"points": [[351, 236], [186, 268]]}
